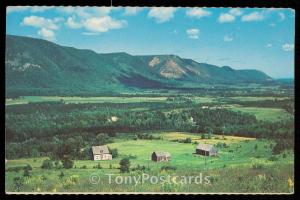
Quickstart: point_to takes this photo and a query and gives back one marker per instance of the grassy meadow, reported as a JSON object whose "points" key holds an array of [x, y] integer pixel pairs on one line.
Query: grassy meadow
{"points": [[240, 155], [244, 163]]}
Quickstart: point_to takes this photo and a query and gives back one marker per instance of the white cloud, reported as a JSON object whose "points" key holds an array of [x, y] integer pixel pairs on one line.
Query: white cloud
{"points": [[288, 47], [47, 34], [235, 12], [193, 33], [281, 16], [254, 16], [161, 14], [225, 17], [227, 38], [269, 45], [46, 26], [198, 13], [90, 33], [130, 11], [40, 22], [103, 24], [93, 20], [87, 12], [71, 23]]}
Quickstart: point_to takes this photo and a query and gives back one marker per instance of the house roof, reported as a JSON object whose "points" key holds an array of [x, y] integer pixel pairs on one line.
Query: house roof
{"points": [[162, 153], [205, 147], [100, 149]]}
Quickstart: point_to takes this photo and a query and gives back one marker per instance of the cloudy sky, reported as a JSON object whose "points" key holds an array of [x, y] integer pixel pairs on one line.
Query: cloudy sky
{"points": [[241, 38]]}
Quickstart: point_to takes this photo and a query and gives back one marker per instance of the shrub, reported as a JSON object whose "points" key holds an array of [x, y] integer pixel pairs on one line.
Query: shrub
{"points": [[43, 178], [124, 165], [284, 155], [67, 163], [168, 168], [257, 166], [58, 165], [98, 166], [61, 175], [273, 158], [28, 167], [139, 168], [18, 183], [70, 181], [114, 152], [221, 145], [188, 140], [47, 164], [15, 169], [83, 167], [26, 172]]}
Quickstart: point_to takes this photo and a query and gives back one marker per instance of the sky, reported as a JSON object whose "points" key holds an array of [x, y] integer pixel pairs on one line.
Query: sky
{"points": [[242, 38]]}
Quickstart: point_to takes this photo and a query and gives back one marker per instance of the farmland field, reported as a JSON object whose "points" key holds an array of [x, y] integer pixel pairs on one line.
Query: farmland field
{"points": [[239, 155], [269, 114], [246, 138]]}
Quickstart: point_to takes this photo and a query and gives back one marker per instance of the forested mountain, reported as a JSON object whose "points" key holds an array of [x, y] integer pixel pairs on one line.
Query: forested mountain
{"points": [[39, 67]]}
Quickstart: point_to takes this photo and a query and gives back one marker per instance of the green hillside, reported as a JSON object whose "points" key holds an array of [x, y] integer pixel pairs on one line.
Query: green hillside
{"points": [[39, 67]]}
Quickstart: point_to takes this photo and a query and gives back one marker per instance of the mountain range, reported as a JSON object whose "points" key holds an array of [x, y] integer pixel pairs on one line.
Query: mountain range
{"points": [[39, 67]]}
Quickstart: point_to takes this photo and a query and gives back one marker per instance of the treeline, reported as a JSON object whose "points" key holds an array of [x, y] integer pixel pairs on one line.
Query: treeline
{"points": [[224, 90], [286, 104], [35, 129]]}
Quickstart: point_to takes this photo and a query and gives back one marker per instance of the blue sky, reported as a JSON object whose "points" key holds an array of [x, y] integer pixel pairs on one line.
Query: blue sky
{"points": [[244, 38]]}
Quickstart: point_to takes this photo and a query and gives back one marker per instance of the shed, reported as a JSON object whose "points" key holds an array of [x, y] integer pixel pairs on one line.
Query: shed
{"points": [[101, 153], [160, 156], [206, 150]]}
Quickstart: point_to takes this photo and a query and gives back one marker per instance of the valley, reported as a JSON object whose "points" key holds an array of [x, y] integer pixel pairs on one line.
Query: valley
{"points": [[62, 101]]}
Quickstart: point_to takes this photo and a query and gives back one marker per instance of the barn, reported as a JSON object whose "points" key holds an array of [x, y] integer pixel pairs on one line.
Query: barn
{"points": [[101, 153], [206, 150], [160, 156]]}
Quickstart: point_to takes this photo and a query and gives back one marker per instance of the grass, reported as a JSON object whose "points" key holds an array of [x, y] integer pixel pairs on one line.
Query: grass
{"points": [[197, 138], [232, 164], [27, 99], [266, 114], [250, 98]]}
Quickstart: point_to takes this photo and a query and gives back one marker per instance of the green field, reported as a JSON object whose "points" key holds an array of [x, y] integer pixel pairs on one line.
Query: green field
{"points": [[28, 99], [266, 114], [240, 155]]}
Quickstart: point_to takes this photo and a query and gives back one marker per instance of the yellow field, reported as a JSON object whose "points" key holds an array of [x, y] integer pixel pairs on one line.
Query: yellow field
{"points": [[197, 138]]}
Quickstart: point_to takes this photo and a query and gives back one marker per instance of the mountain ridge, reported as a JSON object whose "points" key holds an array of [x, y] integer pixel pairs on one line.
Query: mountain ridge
{"points": [[35, 65]]}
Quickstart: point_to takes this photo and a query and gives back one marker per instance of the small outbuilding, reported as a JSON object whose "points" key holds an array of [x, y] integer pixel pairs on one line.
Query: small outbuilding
{"points": [[206, 150], [160, 156], [101, 153]]}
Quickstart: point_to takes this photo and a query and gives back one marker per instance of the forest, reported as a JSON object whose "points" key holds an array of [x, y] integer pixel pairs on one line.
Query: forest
{"points": [[35, 129]]}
